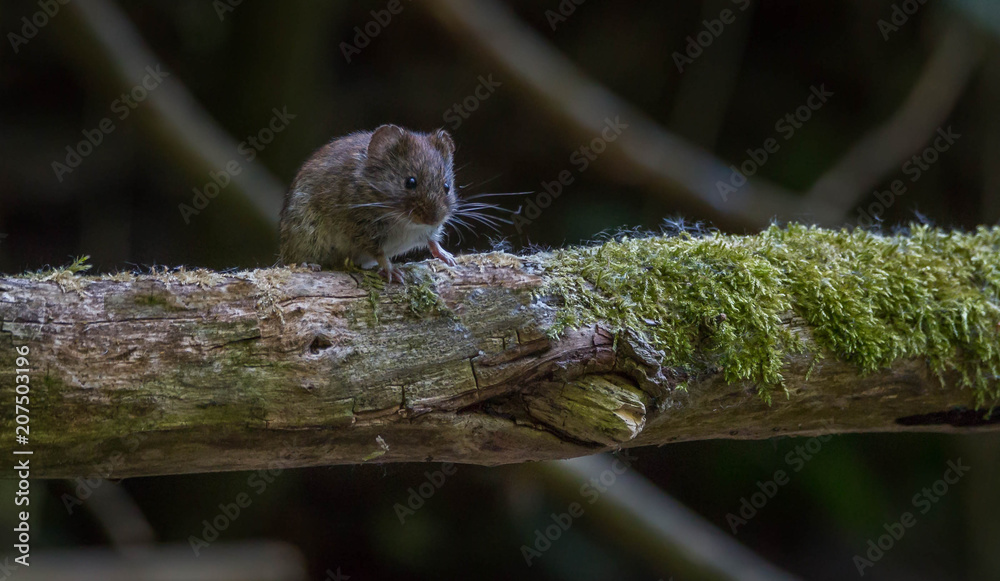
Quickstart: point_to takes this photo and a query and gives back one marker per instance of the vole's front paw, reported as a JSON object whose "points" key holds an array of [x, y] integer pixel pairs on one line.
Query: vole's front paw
{"points": [[391, 274], [447, 258], [441, 254]]}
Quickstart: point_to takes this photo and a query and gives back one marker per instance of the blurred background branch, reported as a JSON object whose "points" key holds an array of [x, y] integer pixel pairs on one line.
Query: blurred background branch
{"points": [[645, 154], [119, 515], [879, 154], [102, 41], [704, 93], [642, 518]]}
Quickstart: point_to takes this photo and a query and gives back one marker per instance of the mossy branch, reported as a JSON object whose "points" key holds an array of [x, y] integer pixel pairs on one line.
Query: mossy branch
{"points": [[634, 342]]}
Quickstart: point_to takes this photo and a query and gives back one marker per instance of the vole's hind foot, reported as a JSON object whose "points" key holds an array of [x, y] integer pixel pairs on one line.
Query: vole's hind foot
{"points": [[303, 266]]}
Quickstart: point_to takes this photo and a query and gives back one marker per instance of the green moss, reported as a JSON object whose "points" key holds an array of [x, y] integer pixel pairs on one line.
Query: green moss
{"points": [[154, 300], [422, 298], [418, 293], [718, 301], [374, 284], [65, 276]]}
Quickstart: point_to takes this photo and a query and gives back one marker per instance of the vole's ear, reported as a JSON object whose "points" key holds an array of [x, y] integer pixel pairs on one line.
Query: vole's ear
{"points": [[443, 142], [384, 138]]}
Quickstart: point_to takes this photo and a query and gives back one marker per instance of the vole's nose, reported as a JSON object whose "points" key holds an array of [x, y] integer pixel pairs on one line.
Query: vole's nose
{"points": [[426, 218], [440, 215], [432, 215]]}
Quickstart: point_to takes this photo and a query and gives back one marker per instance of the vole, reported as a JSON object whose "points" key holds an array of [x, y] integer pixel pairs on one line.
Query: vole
{"points": [[371, 196]]}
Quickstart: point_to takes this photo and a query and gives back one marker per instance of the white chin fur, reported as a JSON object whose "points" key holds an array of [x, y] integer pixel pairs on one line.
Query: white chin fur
{"points": [[409, 236]]}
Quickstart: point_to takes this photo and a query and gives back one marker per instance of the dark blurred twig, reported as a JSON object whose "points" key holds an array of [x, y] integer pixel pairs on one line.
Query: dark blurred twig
{"points": [[885, 149], [682, 173], [991, 147], [120, 516], [983, 525], [247, 561], [106, 45], [704, 92], [645, 153], [672, 536]]}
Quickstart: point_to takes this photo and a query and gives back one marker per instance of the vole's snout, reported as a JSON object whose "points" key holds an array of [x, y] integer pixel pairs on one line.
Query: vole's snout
{"points": [[441, 215], [429, 215]]}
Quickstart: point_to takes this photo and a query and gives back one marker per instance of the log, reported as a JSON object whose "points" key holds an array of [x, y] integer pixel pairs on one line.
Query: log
{"points": [[639, 341]]}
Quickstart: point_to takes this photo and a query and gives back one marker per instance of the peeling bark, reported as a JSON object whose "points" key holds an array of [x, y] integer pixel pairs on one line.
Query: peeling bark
{"points": [[169, 374]]}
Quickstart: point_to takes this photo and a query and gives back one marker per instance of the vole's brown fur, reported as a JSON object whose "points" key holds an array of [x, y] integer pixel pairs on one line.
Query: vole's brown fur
{"points": [[351, 201]]}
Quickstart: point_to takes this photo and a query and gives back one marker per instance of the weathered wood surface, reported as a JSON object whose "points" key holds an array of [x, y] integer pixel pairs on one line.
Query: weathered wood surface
{"points": [[206, 372]]}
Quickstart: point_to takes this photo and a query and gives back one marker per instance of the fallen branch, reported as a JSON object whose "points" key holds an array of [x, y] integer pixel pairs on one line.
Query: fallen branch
{"points": [[507, 359]]}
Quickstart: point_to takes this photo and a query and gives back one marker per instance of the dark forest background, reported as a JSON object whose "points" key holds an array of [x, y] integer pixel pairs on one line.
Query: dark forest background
{"points": [[901, 75]]}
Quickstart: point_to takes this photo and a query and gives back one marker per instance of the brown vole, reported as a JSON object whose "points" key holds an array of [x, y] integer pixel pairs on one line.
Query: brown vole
{"points": [[371, 196]]}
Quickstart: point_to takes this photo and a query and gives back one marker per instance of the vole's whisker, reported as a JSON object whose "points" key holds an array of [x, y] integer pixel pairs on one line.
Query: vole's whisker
{"points": [[454, 228], [465, 207], [491, 226], [485, 218], [478, 196], [465, 225], [459, 221], [372, 186], [398, 218], [479, 212], [483, 183]]}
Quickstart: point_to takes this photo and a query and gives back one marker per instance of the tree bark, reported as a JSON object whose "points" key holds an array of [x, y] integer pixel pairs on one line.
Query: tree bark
{"points": [[189, 372]]}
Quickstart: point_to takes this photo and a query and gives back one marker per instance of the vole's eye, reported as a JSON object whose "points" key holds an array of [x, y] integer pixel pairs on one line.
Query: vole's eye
{"points": [[411, 183], [447, 187]]}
